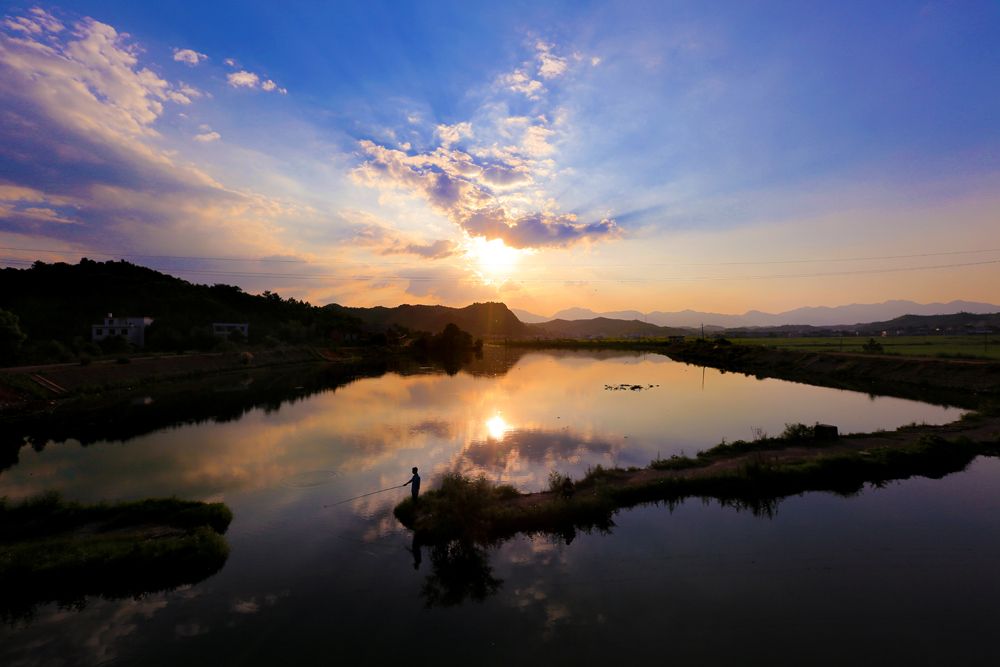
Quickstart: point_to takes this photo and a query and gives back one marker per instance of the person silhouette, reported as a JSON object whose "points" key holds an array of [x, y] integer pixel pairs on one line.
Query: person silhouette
{"points": [[414, 483]]}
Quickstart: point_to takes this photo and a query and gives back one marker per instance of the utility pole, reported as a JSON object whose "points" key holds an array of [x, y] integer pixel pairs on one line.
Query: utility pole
{"points": [[703, 331]]}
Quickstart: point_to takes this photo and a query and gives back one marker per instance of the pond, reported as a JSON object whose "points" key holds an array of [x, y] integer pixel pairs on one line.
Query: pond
{"points": [[905, 570]]}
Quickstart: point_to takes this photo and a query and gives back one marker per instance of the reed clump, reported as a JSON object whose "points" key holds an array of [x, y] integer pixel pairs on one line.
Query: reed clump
{"points": [[56, 550]]}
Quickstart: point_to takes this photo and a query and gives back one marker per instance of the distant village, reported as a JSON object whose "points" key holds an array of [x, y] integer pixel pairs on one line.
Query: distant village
{"points": [[133, 329]]}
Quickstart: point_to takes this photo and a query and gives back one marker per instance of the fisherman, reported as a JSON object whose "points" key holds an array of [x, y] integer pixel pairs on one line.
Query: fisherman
{"points": [[415, 484]]}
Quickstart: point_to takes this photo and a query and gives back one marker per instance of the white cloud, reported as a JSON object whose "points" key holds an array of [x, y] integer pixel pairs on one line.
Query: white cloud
{"points": [[207, 137], [467, 192], [519, 82], [451, 134], [189, 56], [270, 86], [368, 231], [38, 23], [246, 79], [536, 140], [189, 91], [494, 186], [231, 62], [550, 66], [78, 125], [243, 79]]}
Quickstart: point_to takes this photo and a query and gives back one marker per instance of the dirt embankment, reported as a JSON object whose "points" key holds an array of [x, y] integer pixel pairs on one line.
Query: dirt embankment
{"points": [[981, 430], [29, 387]]}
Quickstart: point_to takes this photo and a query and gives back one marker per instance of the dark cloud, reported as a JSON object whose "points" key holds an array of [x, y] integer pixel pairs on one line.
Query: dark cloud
{"points": [[537, 229], [446, 181]]}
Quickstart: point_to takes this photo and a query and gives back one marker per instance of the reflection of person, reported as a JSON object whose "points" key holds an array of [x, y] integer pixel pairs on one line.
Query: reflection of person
{"points": [[417, 550], [414, 483]]}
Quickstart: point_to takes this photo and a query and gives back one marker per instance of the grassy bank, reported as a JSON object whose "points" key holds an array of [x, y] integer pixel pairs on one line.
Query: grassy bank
{"points": [[967, 383], [973, 347], [751, 475], [944, 347], [55, 550]]}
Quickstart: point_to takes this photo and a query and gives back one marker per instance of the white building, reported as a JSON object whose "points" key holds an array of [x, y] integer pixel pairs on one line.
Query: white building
{"points": [[132, 329], [223, 329]]}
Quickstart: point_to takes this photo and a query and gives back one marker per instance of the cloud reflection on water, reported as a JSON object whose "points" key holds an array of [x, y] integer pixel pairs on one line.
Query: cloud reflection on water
{"points": [[547, 411]]}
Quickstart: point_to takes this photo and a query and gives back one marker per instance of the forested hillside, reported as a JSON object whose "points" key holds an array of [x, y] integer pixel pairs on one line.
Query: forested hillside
{"points": [[58, 303]]}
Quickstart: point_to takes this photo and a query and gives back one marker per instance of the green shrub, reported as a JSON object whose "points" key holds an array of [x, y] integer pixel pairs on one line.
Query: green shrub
{"points": [[873, 346]]}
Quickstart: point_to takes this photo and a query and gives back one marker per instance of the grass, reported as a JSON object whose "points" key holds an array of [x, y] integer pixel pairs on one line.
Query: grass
{"points": [[944, 347], [794, 434], [55, 550]]}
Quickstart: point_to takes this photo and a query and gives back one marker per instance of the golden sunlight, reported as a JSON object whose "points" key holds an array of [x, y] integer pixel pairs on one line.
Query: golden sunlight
{"points": [[497, 427], [494, 260]]}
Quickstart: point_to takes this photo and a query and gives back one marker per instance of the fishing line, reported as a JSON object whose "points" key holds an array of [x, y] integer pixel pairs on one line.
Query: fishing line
{"points": [[364, 495]]}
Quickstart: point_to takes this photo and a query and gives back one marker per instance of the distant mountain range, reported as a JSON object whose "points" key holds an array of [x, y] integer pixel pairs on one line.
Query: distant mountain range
{"points": [[819, 316], [58, 302], [601, 327]]}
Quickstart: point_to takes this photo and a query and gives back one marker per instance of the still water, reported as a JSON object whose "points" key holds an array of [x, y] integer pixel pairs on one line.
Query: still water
{"points": [[905, 573]]}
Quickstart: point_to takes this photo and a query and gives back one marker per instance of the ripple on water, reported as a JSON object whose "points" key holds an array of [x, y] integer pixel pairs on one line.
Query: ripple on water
{"points": [[310, 478]]}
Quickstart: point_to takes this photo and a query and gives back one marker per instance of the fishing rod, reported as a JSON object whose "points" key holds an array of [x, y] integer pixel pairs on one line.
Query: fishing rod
{"points": [[365, 495]]}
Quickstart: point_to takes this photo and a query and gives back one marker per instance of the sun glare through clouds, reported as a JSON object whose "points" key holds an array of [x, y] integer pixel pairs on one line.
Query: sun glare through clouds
{"points": [[493, 260]]}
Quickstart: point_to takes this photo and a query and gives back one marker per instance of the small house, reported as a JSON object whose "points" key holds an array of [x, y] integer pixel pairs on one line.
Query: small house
{"points": [[132, 329]]}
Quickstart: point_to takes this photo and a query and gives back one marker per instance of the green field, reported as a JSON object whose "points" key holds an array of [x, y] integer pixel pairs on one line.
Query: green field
{"points": [[971, 347]]}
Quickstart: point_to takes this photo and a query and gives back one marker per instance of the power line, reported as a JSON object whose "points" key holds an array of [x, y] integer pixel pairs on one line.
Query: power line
{"points": [[814, 260], [129, 254], [562, 279]]}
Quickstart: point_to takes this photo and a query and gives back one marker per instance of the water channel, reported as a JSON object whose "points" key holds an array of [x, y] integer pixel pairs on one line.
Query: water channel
{"points": [[904, 573]]}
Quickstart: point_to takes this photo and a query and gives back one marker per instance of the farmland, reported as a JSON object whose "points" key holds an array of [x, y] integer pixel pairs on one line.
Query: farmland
{"points": [[986, 346]]}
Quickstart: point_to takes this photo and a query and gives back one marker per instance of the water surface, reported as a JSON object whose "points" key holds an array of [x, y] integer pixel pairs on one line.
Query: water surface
{"points": [[902, 571]]}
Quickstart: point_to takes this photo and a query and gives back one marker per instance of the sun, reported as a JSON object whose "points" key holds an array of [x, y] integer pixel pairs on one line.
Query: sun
{"points": [[494, 260]]}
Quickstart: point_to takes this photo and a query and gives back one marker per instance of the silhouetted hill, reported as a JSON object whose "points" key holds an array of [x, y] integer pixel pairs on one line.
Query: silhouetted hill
{"points": [[602, 327], [819, 316], [528, 317], [954, 323], [482, 320], [908, 325], [588, 314], [60, 302]]}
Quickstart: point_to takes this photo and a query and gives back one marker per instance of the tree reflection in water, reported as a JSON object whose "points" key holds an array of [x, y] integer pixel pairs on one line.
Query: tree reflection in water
{"points": [[460, 571]]}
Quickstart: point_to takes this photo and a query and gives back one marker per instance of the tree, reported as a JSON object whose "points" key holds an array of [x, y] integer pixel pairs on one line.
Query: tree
{"points": [[11, 337]]}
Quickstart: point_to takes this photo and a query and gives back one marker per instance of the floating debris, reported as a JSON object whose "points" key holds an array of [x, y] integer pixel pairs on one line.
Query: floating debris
{"points": [[629, 387]]}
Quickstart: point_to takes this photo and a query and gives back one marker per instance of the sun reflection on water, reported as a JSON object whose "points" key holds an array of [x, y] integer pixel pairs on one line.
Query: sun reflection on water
{"points": [[497, 427]]}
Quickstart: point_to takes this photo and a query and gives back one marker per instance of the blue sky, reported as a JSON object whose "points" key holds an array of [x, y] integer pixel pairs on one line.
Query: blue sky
{"points": [[655, 156]]}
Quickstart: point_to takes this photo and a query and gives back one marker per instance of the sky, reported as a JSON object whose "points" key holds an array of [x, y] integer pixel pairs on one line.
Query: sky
{"points": [[720, 156]]}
